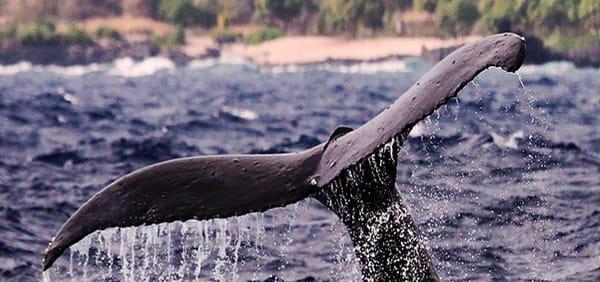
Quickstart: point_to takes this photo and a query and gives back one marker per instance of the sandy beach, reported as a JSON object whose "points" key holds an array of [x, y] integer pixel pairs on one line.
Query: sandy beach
{"points": [[314, 49]]}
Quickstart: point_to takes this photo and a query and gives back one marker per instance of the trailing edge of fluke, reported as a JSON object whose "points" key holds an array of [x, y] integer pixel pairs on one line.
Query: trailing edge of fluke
{"points": [[222, 186]]}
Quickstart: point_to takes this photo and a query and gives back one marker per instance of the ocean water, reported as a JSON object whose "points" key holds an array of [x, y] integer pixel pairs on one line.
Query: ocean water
{"points": [[504, 181]]}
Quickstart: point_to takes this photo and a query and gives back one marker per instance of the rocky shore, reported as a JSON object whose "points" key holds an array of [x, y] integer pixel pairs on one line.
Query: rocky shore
{"points": [[62, 53], [283, 51]]}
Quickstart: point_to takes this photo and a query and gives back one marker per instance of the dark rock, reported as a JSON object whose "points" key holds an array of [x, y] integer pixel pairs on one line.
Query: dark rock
{"points": [[63, 53], [537, 53]]}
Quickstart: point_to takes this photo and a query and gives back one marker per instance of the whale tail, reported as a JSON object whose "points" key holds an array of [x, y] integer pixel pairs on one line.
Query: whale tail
{"points": [[353, 168], [192, 188]]}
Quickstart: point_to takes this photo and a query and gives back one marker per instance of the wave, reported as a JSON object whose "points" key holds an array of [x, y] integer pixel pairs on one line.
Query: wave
{"points": [[558, 68], [128, 67], [509, 142], [238, 113], [389, 65], [76, 70]]}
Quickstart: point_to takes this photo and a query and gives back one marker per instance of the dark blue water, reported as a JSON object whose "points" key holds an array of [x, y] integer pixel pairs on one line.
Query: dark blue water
{"points": [[504, 181]]}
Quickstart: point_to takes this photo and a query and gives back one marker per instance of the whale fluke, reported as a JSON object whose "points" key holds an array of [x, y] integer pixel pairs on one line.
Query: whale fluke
{"points": [[353, 173], [192, 188]]}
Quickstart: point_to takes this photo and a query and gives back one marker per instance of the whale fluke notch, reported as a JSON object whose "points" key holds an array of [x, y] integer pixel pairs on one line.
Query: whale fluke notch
{"points": [[353, 173]]}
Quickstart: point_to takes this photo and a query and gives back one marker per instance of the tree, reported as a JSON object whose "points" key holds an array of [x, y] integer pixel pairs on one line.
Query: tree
{"points": [[283, 10], [425, 5], [348, 16], [456, 17], [370, 13], [184, 12], [589, 13]]}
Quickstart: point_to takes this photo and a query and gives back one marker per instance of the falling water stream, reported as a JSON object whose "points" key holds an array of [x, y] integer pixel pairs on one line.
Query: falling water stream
{"points": [[230, 249]]}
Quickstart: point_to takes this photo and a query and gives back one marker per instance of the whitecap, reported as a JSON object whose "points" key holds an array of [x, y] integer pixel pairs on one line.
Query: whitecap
{"points": [[558, 68], [15, 68], [240, 113], [75, 70], [211, 62], [129, 68], [385, 66], [508, 142]]}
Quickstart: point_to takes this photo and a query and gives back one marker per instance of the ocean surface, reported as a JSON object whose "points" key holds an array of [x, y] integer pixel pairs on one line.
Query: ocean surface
{"points": [[504, 181]]}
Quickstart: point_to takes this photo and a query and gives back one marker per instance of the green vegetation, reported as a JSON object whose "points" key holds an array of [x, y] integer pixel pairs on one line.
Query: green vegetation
{"points": [[263, 35], [456, 17], [225, 36], [184, 12], [353, 17], [576, 20], [106, 32], [282, 10], [172, 39], [571, 43], [425, 5], [38, 33], [7, 32], [75, 35], [44, 33]]}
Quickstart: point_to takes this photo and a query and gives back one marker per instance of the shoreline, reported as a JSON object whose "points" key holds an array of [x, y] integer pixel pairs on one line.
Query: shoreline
{"points": [[285, 51], [303, 50]]}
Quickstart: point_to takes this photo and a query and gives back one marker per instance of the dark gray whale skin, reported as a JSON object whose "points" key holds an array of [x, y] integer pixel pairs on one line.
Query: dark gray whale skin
{"points": [[346, 173]]}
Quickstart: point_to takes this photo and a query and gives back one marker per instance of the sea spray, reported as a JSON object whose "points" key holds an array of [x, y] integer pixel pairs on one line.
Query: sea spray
{"points": [[545, 263]]}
